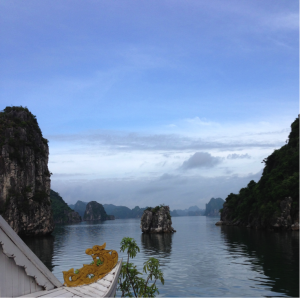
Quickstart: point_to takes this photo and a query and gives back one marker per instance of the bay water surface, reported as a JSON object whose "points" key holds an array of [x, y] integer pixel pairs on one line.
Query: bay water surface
{"points": [[200, 259]]}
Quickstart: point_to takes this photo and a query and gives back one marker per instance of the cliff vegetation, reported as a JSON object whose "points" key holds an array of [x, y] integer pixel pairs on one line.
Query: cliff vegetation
{"points": [[95, 211], [157, 220], [62, 213], [272, 202]]}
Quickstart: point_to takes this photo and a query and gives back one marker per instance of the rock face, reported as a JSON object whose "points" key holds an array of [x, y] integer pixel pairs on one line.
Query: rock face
{"points": [[95, 211], [273, 202], [62, 213], [79, 207], [157, 220], [213, 207], [24, 174]]}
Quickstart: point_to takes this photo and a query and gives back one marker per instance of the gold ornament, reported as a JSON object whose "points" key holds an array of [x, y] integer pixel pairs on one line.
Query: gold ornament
{"points": [[98, 269]]}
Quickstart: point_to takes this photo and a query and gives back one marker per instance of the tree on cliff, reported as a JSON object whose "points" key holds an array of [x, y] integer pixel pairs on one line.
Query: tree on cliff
{"points": [[280, 180]]}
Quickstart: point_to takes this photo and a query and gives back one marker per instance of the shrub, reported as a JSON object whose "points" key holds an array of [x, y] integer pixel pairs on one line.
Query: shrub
{"points": [[130, 283]]}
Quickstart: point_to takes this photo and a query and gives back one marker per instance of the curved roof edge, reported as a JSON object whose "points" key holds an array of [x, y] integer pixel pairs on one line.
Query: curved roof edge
{"points": [[14, 247]]}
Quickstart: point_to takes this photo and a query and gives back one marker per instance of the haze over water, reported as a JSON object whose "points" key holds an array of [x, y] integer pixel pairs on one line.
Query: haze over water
{"points": [[200, 259]]}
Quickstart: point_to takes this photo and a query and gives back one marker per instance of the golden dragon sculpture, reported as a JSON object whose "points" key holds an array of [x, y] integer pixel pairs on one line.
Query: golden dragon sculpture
{"points": [[103, 262]]}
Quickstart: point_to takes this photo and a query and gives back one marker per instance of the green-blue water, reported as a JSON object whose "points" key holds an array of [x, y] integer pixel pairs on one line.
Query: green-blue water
{"points": [[200, 259]]}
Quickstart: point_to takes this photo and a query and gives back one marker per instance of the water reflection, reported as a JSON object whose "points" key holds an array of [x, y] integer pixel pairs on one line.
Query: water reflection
{"points": [[157, 244], [43, 247], [200, 259], [276, 254]]}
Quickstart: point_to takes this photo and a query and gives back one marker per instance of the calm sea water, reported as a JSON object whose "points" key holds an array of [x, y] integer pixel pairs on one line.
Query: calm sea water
{"points": [[200, 259]]}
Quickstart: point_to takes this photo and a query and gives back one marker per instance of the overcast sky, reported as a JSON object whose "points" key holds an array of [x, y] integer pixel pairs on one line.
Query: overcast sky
{"points": [[150, 102]]}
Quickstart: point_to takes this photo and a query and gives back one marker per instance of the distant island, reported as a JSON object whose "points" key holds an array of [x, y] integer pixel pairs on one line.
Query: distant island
{"points": [[123, 212], [64, 214], [96, 211], [213, 207], [157, 220], [117, 211], [191, 211]]}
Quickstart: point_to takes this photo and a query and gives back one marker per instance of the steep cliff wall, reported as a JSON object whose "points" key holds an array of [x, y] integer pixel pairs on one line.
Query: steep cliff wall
{"points": [[62, 213], [273, 202], [79, 207], [213, 207], [157, 220], [24, 174], [95, 211]]}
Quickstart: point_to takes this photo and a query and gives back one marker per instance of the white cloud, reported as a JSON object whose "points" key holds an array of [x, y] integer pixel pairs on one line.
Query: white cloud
{"points": [[283, 21], [236, 156], [200, 160]]}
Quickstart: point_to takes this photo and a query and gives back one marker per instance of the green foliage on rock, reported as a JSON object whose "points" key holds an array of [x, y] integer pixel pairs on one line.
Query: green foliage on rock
{"points": [[155, 209], [131, 284], [94, 211], [62, 213], [280, 179]]}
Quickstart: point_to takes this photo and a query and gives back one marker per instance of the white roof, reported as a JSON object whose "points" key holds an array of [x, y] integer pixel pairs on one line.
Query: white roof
{"points": [[14, 247]]}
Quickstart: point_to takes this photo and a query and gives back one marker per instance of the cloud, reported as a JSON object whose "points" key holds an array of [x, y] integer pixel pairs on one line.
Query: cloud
{"points": [[200, 160], [200, 122], [283, 21], [167, 176], [236, 156], [152, 189], [154, 142]]}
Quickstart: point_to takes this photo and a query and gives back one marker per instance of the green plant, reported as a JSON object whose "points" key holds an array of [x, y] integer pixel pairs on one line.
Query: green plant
{"points": [[130, 282]]}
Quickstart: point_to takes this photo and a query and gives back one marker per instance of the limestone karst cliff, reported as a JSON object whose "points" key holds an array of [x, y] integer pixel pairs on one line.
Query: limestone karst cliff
{"points": [[95, 211], [24, 174], [213, 207], [62, 213], [79, 207], [157, 220], [272, 202]]}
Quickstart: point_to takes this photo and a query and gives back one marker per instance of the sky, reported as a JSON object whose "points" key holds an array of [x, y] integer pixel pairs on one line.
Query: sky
{"points": [[153, 102]]}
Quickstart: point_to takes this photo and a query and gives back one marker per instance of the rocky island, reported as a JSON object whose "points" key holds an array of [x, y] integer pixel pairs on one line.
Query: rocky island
{"points": [[273, 202], [95, 211], [157, 220], [24, 174]]}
